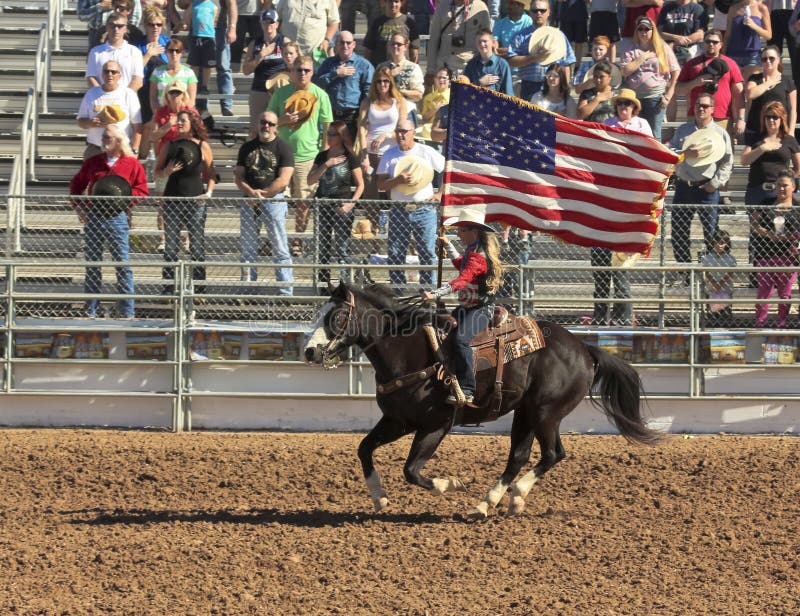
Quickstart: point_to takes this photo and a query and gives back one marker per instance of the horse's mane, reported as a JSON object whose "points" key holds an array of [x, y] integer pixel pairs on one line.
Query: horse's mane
{"points": [[401, 313]]}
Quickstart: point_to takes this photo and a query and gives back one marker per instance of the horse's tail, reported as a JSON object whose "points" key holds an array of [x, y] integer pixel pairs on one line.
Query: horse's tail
{"points": [[620, 396]]}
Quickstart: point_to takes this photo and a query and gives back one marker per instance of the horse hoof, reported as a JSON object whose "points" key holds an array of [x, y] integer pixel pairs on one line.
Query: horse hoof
{"points": [[516, 506], [481, 512], [380, 504], [440, 486]]}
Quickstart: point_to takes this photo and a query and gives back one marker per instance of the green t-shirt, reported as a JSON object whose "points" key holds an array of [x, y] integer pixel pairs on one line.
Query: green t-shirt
{"points": [[305, 140]]}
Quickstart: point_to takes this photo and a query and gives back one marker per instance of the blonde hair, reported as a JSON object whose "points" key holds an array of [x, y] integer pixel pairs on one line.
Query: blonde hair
{"points": [[494, 277], [151, 13]]}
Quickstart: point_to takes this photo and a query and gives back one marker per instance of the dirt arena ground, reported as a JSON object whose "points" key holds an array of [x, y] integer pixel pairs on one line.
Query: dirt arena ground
{"points": [[106, 522]]}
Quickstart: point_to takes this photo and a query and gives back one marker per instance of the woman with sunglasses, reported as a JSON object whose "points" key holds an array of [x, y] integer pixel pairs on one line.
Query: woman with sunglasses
{"points": [[651, 70], [407, 75], [765, 87], [377, 118], [173, 70], [338, 174], [152, 45], [774, 233], [748, 22], [192, 180]]}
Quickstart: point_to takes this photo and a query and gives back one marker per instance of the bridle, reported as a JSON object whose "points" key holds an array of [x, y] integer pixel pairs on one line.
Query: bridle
{"points": [[350, 302]]}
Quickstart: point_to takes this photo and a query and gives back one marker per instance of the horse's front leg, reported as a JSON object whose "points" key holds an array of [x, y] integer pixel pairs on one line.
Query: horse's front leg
{"points": [[385, 431], [425, 443]]}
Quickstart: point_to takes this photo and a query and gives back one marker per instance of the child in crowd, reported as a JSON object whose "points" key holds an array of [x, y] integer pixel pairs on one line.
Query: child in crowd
{"points": [[719, 285], [435, 99], [201, 21]]}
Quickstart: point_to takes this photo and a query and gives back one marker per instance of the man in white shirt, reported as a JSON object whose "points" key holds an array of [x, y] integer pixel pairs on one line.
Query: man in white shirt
{"points": [[417, 217], [128, 57]]}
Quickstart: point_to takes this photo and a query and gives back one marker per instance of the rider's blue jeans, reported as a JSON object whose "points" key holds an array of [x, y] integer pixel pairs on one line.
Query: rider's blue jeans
{"points": [[471, 322]]}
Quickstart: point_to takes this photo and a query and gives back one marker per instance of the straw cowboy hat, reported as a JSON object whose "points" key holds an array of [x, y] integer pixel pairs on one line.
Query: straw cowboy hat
{"points": [[468, 218], [421, 174], [173, 86], [616, 75], [710, 144], [547, 37], [626, 94], [363, 230], [111, 114], [302, 102], [279, 80]]}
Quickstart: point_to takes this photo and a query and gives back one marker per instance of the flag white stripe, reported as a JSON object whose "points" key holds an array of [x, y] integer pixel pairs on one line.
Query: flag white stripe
{"points": [[613, 148]]}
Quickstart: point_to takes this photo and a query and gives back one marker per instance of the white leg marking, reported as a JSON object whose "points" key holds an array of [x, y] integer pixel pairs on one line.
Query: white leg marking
{"points": [[440, 486], [376, 492], [491, 499], [520, 492]]}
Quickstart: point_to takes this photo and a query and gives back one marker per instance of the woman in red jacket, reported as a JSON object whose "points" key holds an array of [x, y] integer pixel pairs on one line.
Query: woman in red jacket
{"points": [[480, 276]]}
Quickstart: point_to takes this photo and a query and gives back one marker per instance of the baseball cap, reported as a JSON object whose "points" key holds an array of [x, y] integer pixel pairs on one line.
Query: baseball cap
{"points": [[269, 15]]}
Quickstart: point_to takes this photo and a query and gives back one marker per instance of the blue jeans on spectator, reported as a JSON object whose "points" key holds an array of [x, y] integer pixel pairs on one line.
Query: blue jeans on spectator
{"points": [[471, 322], [272, 215], [114, 231], [682, 218], [654, 114], [224, 75], [334, 239], [421, 225], [529, 88], [177, 215]]}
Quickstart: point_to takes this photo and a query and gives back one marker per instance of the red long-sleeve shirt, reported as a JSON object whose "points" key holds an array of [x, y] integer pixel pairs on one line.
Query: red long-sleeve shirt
{"points": [[473, 268], [96, 167]]}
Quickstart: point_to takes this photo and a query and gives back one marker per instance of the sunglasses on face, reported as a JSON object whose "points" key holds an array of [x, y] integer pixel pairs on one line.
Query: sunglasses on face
{"points": [[173, 50], [397, 44], [712, 42], [156, 25], [110, 71], [382, 81], [769, 59], [117, 26], [267, 123], [774, 118], [643, 29], [624, 103], [703, 106], [175, 93], [403, 131], [347, 43], [304, 70], [539, 11]]}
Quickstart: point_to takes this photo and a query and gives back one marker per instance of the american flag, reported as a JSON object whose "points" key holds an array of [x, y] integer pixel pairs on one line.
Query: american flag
{"points": [[583, 182]]}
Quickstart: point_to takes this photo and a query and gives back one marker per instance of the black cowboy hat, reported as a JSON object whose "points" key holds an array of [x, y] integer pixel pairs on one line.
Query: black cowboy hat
{"points": [[716, 68], [187, 152], [111, 186]]}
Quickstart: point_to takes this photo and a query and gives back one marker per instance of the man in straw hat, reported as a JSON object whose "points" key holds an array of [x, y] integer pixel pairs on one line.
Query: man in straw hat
{"points": [[303, 110], [93, 118], [115, 172], [707, 165], [406, 172], [532, 53]]}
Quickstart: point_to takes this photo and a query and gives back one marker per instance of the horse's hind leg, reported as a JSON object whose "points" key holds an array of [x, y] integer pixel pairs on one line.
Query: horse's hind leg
{"points": [[425, 443], [385, 431], [552, 453], [521, 442]]}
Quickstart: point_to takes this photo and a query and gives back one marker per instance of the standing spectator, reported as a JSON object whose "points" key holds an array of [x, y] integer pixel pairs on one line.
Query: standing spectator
{"points": [[337, 171], [783, 30], [719, 285], [108, 222], [346, 77], [707, 73], [599, 52], [109, 104], [406, 171], [312, 25], [651, 70], [775, 231], [377, 119], [435, 100], [555, 96], [768, 86], [505, 29], [420, 10], [153, 48], [487, 69], [370, 8], [532, 65], [407, 74], [127, 57], [225, 34], [131, 10], [381, 30], [453, 29], [595, 104], [698, 179], [303, 108], [748, 23], [263, 60], [263, 170], [603, 23], [573, 19], [94, 13], [634, 9], [248, 26], [188, 164], [202, 23], [173, 71]]}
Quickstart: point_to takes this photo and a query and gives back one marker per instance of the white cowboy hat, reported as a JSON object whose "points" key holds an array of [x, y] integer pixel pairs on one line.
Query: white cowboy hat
{"points": [[421, 174], [547, 37], [711, 145], [468, 218]]}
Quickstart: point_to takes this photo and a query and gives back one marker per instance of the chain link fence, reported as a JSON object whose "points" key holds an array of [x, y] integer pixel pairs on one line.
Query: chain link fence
{"points": [[244, 258]]}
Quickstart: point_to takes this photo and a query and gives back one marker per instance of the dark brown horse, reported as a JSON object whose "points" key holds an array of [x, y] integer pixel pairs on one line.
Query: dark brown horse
{"points": [[541, 389]]}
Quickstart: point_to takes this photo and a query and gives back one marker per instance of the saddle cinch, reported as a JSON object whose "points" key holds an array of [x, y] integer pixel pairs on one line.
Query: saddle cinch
{"points": [[508, 337]]}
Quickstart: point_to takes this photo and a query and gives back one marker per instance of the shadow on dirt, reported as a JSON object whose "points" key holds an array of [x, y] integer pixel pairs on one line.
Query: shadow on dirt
{"points": [[314, 518]]}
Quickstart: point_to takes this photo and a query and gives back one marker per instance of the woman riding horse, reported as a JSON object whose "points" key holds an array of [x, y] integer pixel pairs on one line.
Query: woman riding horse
{"points": [[480, 276]]}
